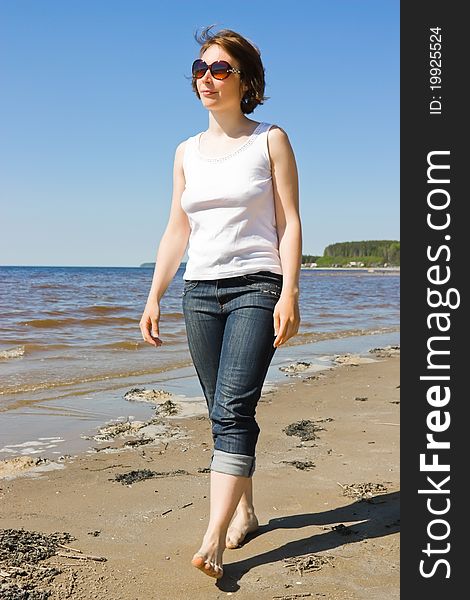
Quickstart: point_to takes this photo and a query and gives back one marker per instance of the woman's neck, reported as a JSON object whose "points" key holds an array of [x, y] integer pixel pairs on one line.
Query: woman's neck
{"points": [[230, 125]]}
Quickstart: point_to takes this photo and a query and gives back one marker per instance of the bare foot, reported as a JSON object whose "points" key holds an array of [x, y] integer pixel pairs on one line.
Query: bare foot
{"points": [[241, 525], [207, 566]]}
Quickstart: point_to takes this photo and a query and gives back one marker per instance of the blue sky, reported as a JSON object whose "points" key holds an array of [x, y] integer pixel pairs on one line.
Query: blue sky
{"points": [[95, 101]]}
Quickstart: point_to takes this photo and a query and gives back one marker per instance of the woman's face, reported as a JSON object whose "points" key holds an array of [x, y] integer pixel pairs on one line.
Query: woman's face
{"points": [[225, 93]]}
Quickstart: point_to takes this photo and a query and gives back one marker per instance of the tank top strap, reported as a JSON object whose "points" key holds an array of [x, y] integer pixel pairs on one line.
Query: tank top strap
{"points": [[261, 141], [190, 150]]}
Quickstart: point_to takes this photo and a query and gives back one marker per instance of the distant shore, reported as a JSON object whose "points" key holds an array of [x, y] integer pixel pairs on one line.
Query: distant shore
{"points": [[394, 270], [391, 270]]}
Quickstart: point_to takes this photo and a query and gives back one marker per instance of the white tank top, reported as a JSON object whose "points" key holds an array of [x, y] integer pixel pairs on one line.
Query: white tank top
{"points": [[230, 206]]}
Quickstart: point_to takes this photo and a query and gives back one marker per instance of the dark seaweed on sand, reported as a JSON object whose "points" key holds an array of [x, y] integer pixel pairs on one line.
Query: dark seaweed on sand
{"points": [[18, 546], [28, 592], [304, 429], [303, 465], [142, 474], [343, 529], [20, 553]]}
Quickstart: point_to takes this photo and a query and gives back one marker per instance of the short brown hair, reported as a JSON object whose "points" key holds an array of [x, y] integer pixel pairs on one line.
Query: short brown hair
{"points": [[249, 58]]}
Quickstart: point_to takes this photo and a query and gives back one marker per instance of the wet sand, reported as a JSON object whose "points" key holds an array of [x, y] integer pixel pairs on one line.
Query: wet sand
{"points": [[327, 499]]}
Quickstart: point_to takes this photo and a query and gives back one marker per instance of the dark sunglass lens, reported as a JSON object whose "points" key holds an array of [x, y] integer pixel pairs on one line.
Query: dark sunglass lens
{"points": [[199, 68], [220, 69]]}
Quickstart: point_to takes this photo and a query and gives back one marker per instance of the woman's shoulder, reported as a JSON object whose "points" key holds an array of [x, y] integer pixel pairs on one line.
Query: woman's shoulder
{"points": [[278, 143], [275, 130], [186, 142], [277, 136]]}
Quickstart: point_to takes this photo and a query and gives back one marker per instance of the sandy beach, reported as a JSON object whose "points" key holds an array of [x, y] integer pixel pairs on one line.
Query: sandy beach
{"points": [[326, 493]]}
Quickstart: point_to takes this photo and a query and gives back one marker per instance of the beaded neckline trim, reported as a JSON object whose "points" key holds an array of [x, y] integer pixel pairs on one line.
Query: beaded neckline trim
{"points": [[248, 142]]}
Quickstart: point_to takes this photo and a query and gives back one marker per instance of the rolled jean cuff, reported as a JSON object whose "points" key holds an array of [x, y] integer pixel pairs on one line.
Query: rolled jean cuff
{"points": [[233, 464]]}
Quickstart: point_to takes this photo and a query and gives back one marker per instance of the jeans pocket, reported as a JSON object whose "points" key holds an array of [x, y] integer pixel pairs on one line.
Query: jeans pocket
{"points": [[189, 285], [264, 276], [265, 281]]}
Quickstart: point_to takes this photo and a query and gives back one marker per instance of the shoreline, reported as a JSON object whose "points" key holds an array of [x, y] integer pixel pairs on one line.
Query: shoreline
{"points": [[73, 424], [380, 270], [327, 506]]}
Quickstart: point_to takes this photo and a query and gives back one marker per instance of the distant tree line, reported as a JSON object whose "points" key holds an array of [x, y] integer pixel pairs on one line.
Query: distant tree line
{"points": [[374, 253]]}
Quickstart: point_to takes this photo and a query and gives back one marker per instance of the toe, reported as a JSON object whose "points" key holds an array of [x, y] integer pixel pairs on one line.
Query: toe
{"points": [[234, 539], [219, 571], [206, 566], [229, 543]]}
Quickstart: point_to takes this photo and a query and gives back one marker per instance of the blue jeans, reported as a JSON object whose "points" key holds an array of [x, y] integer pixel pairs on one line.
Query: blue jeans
{"points": [[230, 330]]}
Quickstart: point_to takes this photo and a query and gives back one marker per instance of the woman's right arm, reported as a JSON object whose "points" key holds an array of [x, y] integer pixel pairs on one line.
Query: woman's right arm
{"points": [[169, 255]]}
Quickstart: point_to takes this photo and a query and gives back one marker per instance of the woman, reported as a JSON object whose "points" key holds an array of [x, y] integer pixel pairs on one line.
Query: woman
{"points": [[235, 199]]}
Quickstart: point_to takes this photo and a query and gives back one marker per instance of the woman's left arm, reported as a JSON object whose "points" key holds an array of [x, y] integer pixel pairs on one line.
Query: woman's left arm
{"points": [[289, 232]]}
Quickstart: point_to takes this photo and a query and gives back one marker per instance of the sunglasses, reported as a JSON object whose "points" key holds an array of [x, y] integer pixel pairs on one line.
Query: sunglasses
{"points": [[220, 69]]}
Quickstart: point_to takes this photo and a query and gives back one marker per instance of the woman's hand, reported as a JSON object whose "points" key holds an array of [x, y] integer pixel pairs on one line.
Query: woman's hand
{"points": [[149, 323], [286, 318]]}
